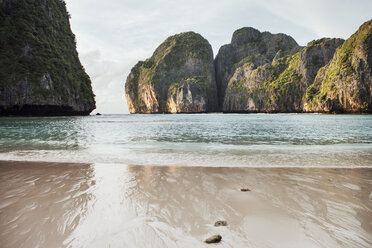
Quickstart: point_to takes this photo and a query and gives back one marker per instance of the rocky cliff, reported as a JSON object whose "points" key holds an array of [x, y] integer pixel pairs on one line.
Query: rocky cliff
{"points": [[277, 86], [256, 72], [178, 78], [40, 71], [345, 84], [249, 45]]}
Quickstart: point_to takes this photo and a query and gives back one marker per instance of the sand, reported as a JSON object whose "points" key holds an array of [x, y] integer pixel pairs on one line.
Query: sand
{"points": [[116, 205]]}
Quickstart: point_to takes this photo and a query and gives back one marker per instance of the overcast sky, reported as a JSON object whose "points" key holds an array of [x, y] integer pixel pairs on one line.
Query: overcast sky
{"points": [[112, 35]]}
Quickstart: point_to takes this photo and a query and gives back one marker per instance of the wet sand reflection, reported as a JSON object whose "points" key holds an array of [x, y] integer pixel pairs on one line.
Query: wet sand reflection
{"points": [[113, 205], [42, 203]]}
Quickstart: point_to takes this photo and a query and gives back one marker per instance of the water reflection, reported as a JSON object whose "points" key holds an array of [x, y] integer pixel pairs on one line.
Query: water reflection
{"points": [[115, 205], [52, 133], [42, 204]]}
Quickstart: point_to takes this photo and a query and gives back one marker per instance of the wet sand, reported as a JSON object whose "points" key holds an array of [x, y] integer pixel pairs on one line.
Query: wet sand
{"points": [[115, 205]]}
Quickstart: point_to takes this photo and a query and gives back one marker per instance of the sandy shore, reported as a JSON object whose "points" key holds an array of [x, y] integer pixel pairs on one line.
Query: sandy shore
{"points": [[114, 205]]}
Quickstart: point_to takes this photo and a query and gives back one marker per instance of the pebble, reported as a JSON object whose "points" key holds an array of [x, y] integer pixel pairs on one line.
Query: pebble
{"points": [[220, 223], [214, 239]]}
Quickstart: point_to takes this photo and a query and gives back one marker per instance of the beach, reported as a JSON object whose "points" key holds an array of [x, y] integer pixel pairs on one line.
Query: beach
{"points": [[118, 205], [181, 124], [165, 180]]}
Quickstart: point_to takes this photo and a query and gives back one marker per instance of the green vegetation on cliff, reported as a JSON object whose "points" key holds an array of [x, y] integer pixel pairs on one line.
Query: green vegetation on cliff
{"points": [[284, 78], [39, 64], [268, 92], [277, 86], [349, 72]]}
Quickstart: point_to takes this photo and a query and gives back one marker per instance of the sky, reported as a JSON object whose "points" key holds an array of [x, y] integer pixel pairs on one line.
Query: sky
{"points": [[113, 35]]}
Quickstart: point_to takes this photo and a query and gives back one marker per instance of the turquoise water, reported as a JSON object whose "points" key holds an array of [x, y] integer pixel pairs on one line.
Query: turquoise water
{"points": [[251, 140]]}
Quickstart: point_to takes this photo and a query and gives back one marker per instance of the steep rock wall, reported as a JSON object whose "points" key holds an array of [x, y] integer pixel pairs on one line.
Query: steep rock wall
{"points": [[40, 71]]}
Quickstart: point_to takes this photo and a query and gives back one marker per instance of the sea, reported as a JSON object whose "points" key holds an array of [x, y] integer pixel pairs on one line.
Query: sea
{"points": [[213, 140]]}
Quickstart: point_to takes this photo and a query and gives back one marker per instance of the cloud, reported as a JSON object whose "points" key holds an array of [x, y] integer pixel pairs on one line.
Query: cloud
{"points": [[331, 18], [112, 35]]}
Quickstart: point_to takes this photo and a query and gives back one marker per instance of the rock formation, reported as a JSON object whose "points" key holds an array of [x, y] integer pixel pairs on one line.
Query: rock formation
{"points": [[277, 86], [345, 84], [178, 78], [249, 45], [256, 72], [40, 71]]}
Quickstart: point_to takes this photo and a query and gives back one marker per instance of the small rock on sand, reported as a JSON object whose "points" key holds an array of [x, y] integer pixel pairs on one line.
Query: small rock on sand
{"points": [[214, 239], [220, 223], [245, 190]]}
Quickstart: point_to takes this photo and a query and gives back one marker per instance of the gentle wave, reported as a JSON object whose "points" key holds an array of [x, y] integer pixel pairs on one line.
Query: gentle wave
{"points": [[217, 140]]}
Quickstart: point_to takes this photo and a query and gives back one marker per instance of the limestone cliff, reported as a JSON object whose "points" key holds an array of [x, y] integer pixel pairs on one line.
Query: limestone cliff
{"points": [[249, 45], [178, 78], [256, 72], [40, 71], [345, 84], [277, 86]]}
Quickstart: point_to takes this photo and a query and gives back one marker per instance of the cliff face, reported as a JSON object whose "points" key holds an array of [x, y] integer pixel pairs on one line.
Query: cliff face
{"points": [[178, 78], [249, 45], [277, 86], [345, 84], [257, 72], [40, 72]]}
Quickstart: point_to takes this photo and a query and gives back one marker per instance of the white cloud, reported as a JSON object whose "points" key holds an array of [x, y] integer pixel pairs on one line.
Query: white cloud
{"points": [[112, 35], [331, 18]]}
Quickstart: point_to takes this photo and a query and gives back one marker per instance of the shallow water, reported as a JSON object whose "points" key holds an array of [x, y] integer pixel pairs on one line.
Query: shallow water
{"points": [[271, 140], [116, 205]]}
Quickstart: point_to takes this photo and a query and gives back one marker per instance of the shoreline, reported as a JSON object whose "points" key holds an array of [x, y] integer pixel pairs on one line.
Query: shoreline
{"points": [[43, 162], [182, 113], [274, 113]]}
